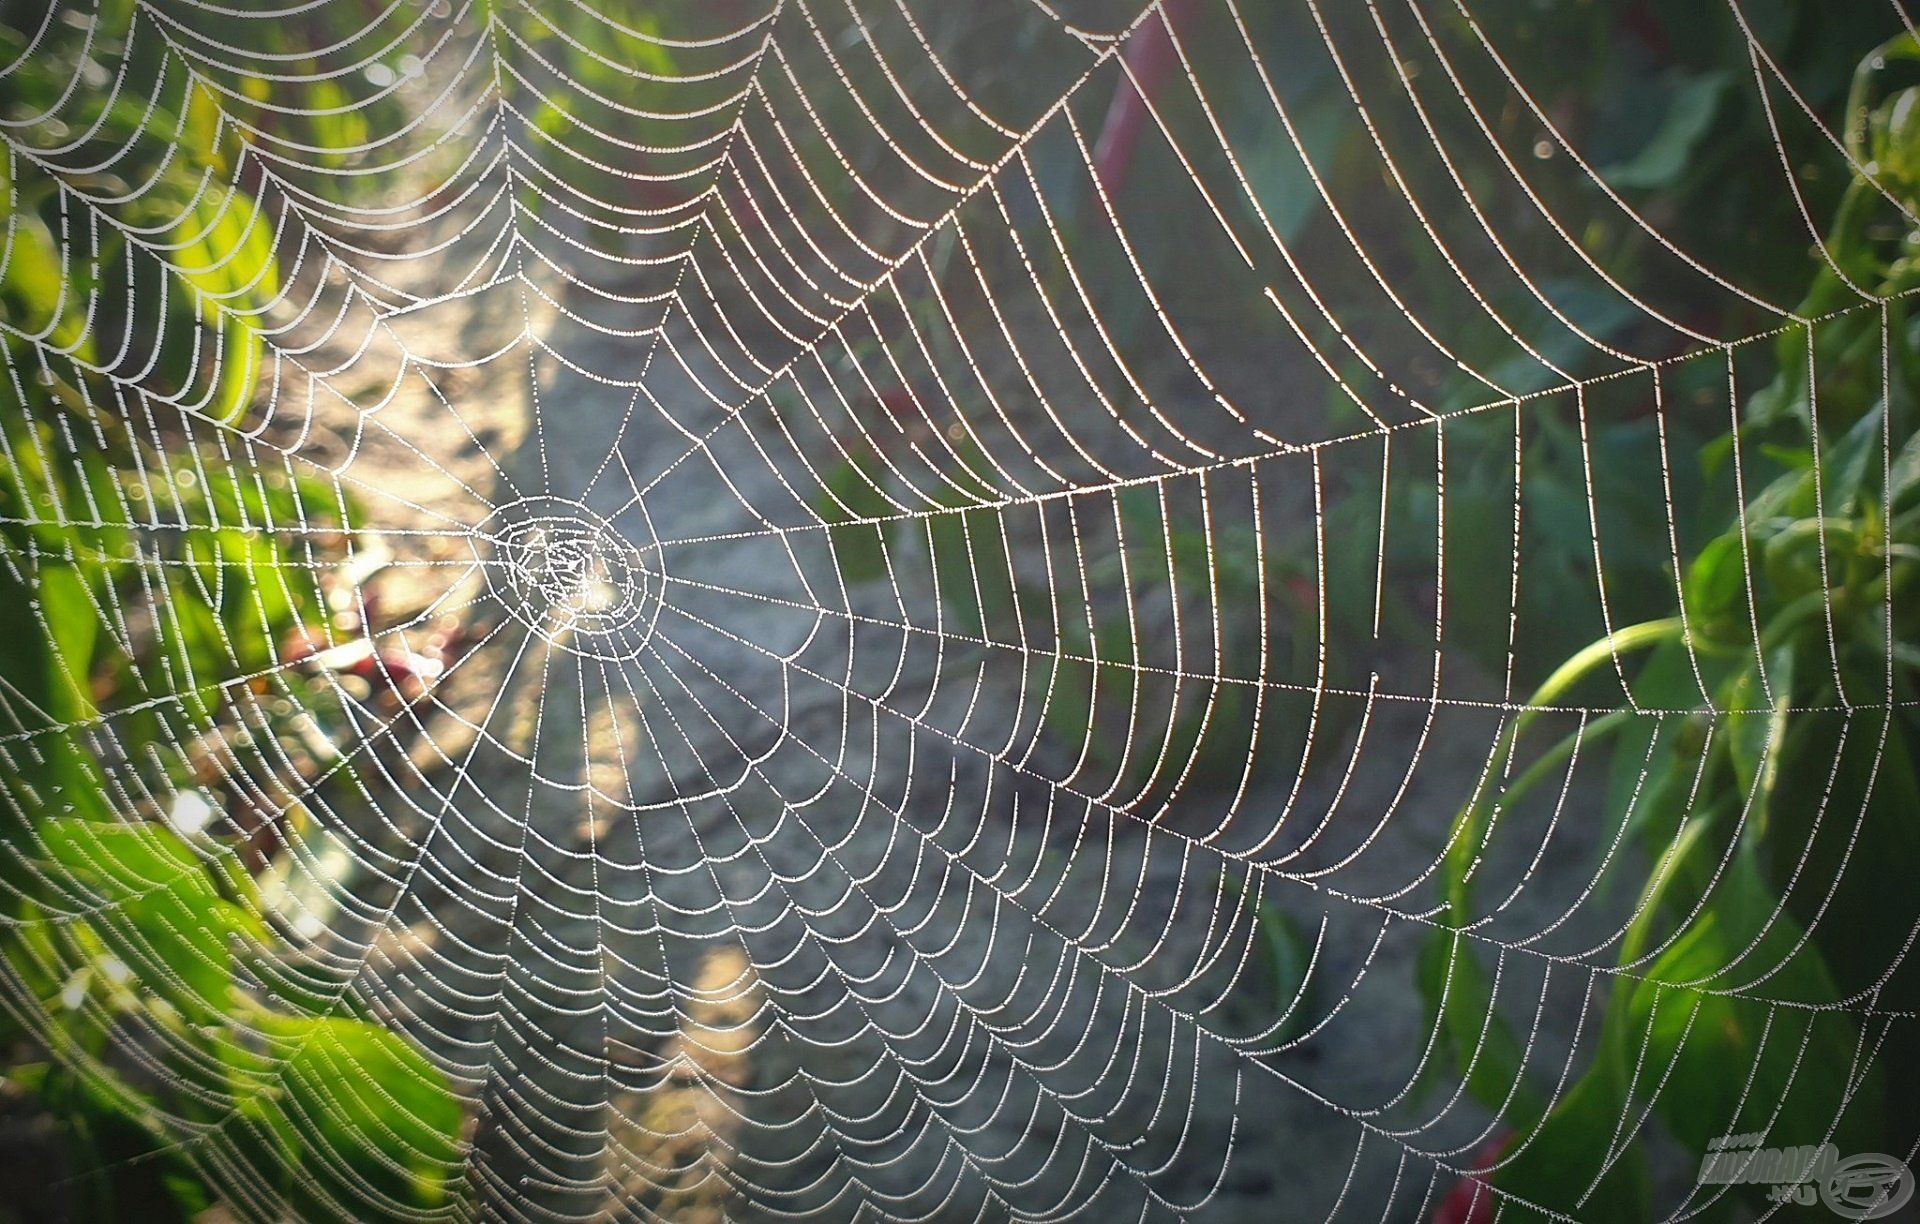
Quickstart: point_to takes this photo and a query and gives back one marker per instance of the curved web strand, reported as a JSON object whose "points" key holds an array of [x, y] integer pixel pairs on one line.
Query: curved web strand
{"points": [[904, 596]]}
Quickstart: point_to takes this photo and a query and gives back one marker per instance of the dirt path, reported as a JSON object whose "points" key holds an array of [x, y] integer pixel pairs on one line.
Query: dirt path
{"points": [[721, 886]]}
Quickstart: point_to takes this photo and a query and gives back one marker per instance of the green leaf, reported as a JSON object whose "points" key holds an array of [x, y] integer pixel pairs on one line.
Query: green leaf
{"points": [[1716, 590], [1286, 958], [368, 1122], [67, 605], [152, 905], [1732, 1059], [1844, 835], [1669, 153], [1276, 173], [36, 294], [1480, 1044], [1573, 1162], [851, 492], [1755, 735]]}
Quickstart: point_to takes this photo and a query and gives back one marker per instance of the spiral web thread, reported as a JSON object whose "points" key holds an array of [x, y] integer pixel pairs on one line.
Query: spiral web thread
{"points": [[870, 562]]}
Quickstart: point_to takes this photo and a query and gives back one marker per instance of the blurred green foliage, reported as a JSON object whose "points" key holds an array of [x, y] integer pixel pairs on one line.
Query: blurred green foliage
{"points": [[147, 577], [1778, 833]]}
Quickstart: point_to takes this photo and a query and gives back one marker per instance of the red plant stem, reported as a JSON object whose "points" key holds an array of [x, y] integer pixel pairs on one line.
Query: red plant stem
{"points": [[1150, 60], [1643, 22], [1471, 1199]]}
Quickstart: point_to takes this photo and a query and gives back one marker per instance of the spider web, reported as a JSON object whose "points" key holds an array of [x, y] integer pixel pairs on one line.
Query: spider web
{"points": [[912, 656]]}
